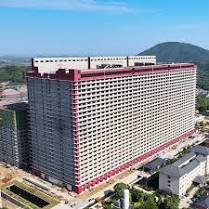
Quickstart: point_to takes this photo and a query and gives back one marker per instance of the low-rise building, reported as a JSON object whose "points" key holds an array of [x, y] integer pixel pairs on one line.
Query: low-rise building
{"points": [[178, 177], [155, 165], [14, 146], [52, 64]]}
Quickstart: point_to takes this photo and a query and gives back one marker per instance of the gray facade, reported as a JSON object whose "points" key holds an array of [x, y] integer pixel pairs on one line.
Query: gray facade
{"points": [[14, 145], [178, 177], [52, 155]]}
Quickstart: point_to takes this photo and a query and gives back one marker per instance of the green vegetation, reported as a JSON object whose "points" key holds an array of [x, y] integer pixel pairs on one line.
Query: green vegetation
{"points": [[178, 52], [143, 200], [170, 202], [179, 155], [118, 190], [199, 193], [203, 75], [166, 53], [149, 203], [14, 74], [7, 118], [202, 104]]}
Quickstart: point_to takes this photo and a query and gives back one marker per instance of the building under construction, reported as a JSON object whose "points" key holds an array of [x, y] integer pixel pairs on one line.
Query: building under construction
{"points": [[89, 125], [14, 135]]}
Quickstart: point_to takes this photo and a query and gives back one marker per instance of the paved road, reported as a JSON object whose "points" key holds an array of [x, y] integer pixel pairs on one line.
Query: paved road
{"points": [[186, 201]]}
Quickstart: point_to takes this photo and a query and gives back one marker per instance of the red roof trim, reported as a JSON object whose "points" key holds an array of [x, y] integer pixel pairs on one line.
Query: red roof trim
{"points": [[83, 75]]}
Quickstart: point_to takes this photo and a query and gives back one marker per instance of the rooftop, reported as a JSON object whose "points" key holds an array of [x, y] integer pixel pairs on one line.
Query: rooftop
{"points": [[204, 203], [155, 164], [93, 74], [187, 163], [202, 150], [22, 106]]}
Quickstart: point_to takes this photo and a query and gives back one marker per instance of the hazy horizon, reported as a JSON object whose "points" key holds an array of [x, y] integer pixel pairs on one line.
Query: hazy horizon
{"points": [[96, 27]]}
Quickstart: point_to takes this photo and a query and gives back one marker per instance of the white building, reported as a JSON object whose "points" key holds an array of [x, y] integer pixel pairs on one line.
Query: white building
{"points": [[88, 125], [52, 64], [179, 176]]}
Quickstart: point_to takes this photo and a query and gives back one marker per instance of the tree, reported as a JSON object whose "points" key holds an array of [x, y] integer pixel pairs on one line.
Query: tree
{"points": [[202, 104], [106, 206], [171, 202], [203, 75], [136, 195], [13, 74], [150, 203], [119, 188]]}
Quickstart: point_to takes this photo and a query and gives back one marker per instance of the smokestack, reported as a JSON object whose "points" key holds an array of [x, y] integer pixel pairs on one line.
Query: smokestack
{"points": [[126, 199]]}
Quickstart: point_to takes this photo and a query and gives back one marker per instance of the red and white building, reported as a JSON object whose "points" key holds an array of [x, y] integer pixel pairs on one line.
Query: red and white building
{"points": [[88, 125]]}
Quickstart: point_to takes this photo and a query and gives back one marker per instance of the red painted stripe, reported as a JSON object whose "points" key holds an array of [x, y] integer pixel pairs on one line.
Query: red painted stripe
{"points": [[127, 74], [85, 75], [80, 188], [77, 135]]}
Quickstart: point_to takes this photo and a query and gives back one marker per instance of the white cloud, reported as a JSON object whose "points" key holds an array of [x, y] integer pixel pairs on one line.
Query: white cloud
{"points": [[73, 5]]}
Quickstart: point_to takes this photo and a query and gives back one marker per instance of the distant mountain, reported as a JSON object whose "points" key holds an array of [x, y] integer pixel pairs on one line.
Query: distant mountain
{"points": [[178, 52]]}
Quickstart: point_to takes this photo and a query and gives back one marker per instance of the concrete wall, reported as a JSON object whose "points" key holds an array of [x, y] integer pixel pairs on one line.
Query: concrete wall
{"points": [[180, 185], [124, 117], [164, 182], [14, 143], [52, 64], [52, 125], [97, 61], [141, 59], [117, 119]]}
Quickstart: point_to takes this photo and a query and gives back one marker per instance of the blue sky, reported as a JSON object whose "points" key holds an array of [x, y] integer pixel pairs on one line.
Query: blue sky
{"points": [[96, 27]]}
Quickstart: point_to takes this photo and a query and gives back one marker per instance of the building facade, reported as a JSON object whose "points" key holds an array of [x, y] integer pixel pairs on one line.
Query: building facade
{"points": [[88, 125], [178, 177], [14, 145], [51, 64]]}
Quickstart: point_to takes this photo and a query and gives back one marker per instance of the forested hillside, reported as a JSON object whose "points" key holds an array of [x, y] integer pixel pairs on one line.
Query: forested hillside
{"points": [[13, 74], [181, 52], [178, 52]]}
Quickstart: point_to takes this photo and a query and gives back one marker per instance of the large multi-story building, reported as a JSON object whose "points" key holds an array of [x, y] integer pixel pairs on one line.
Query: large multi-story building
{"points": [[88, 125], [14, 145], [51, 64], [179, 176]]}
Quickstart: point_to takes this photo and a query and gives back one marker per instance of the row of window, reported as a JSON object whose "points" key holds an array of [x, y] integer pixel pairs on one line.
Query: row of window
{"points": [[93, 59]]}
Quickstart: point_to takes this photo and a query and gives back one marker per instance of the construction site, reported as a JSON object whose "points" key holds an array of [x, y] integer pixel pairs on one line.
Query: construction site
{"points": [[12, 94], [64, 199], [59, 197]]}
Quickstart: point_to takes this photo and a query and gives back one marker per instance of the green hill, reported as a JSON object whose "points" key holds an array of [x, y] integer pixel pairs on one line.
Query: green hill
{"points": [[181, 52], [178, 52]]}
